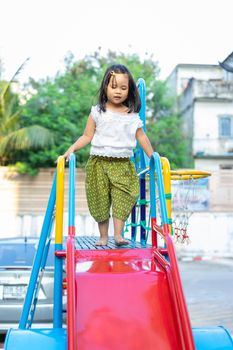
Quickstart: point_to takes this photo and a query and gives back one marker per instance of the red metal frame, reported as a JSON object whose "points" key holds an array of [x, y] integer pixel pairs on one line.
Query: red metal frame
{"points": [[171, 267], [71, 295]]}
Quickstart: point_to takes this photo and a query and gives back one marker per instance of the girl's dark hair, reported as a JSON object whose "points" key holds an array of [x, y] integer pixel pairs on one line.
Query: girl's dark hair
{"points": [[133, 101]]}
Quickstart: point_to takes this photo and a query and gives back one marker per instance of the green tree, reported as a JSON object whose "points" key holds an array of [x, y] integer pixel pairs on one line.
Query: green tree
{"points": [[165, 128], [166, 138], [13, 137], [62, 104]]}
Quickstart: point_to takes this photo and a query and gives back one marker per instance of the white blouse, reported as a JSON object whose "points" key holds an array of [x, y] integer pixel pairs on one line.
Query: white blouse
{"points": [[115, 134]]}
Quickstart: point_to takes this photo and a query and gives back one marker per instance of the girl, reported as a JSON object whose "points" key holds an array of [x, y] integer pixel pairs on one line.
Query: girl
{"points": [[112, 129]]}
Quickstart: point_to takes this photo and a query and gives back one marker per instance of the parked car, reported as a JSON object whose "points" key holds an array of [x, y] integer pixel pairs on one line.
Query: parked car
{"points": [[16, 259]]}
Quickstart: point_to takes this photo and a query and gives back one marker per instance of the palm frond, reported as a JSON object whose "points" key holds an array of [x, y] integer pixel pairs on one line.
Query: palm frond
{"points": [[32, 137], [10, 122], [7, 85]]}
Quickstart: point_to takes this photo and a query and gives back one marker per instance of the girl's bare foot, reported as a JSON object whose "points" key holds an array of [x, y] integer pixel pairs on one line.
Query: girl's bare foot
{"points": [[119, 240], [102, 241]]}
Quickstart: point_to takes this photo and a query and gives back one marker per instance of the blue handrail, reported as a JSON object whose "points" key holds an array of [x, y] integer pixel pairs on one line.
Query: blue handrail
{"points": [[40, 258], [144, 161], [142, 92], [155, 165]]}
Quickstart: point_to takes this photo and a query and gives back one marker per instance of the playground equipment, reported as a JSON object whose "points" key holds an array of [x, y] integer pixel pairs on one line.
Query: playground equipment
{"points": [[127, 298]]}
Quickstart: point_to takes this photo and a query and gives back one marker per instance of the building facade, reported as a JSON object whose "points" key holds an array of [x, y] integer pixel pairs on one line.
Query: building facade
{"points": [[205, 102]]}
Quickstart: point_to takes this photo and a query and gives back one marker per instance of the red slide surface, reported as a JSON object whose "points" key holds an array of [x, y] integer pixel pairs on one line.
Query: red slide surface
{"points": [[124, 300]]}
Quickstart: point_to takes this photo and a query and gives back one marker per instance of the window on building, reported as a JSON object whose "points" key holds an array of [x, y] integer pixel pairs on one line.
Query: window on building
{"points": [[226, 126], [228, 76]]}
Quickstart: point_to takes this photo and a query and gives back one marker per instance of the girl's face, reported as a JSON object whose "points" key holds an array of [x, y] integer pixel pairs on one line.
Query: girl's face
{"points": [[118, 88]]}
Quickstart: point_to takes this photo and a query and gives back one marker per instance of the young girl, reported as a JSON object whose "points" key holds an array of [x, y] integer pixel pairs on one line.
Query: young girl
{"points": [[113, 127]]}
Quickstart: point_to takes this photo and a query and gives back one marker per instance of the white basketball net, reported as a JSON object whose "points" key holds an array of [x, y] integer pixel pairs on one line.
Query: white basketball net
{"points": [[183, 193]]}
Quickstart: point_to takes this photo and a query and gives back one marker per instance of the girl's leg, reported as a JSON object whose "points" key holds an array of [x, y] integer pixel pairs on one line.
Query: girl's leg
{"points": [[124, 192], [103, 228], [118, 228], [98, 195]]}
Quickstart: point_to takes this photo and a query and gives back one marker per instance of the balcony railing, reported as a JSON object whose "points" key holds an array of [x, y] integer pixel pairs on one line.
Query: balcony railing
{"points": [[213, 146], [215, 88]]}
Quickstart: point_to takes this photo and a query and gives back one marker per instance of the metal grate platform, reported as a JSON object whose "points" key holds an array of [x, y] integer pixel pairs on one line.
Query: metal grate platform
{"points": [[88, 242]]}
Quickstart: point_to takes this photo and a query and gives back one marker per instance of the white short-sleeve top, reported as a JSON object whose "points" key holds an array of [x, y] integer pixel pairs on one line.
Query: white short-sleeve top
{"points": [[115, 134]]}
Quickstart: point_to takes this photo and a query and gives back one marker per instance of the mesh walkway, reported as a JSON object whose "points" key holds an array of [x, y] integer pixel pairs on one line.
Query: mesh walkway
{"points": [[88, 242]]}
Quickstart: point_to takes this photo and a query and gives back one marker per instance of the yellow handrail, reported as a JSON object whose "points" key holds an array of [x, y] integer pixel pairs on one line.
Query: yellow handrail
{"points": [[167, 188], [59, 200]]}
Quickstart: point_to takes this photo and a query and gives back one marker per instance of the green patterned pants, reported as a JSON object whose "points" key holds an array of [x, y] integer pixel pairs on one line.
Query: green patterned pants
{"points": [[111, 182]]}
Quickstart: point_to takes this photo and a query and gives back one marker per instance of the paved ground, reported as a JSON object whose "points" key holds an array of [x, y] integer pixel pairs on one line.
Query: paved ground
{"points": [[208, 287]]}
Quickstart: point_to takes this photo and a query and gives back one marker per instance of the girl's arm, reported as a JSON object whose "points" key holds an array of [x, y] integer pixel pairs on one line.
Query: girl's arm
{"points": [[83, 140], [144, 142]]}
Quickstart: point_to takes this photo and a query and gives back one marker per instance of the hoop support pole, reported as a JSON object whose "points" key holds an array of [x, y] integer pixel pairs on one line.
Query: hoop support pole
{"points": [[188, 174]]}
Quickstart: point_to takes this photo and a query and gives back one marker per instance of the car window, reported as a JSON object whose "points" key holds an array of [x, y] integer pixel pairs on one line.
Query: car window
{"points": [[16, 254]]}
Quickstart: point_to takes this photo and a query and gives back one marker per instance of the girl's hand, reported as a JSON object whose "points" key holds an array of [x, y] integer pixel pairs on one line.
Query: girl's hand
{"points": [[67, 154]]}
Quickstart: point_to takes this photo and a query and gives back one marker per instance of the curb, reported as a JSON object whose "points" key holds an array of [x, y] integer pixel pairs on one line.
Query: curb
{"points": [[219, 259], [197, 258]]}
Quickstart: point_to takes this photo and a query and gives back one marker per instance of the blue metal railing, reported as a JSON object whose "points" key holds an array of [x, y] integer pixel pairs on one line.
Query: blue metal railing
{"points": [[143, 163], [39, 262], [155, 166]]}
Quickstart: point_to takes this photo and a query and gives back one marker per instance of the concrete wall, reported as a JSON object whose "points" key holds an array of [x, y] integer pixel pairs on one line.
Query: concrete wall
{"points": [[26, 195], [24, 199], [210, 234], [12, 225]]}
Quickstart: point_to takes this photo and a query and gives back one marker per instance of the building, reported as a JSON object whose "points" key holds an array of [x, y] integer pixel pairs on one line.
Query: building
{"points": [[205, 101]]}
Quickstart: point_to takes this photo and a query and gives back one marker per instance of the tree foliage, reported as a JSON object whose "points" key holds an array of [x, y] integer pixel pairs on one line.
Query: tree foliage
{"points": [[166, 138], [13, 136], [62, 105]]}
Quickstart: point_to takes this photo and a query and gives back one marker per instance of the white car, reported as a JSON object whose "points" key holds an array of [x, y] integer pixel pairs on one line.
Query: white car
{"points": [[16, 259]]}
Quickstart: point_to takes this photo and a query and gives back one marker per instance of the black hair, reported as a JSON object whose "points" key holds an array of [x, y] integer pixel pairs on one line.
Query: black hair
{"points": [[133, 101]]}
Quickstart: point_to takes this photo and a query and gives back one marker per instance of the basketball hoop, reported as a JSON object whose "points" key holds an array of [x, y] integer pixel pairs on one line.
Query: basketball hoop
{"points": [[178, 203], [185, 193]]}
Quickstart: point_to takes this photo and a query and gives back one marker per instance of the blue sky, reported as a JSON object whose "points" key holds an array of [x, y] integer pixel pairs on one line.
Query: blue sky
{"points": [[174, 31]]}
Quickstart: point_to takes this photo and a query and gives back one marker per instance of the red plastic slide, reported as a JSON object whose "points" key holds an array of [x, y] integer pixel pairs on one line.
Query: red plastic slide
{"points": [[125, 299]]}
